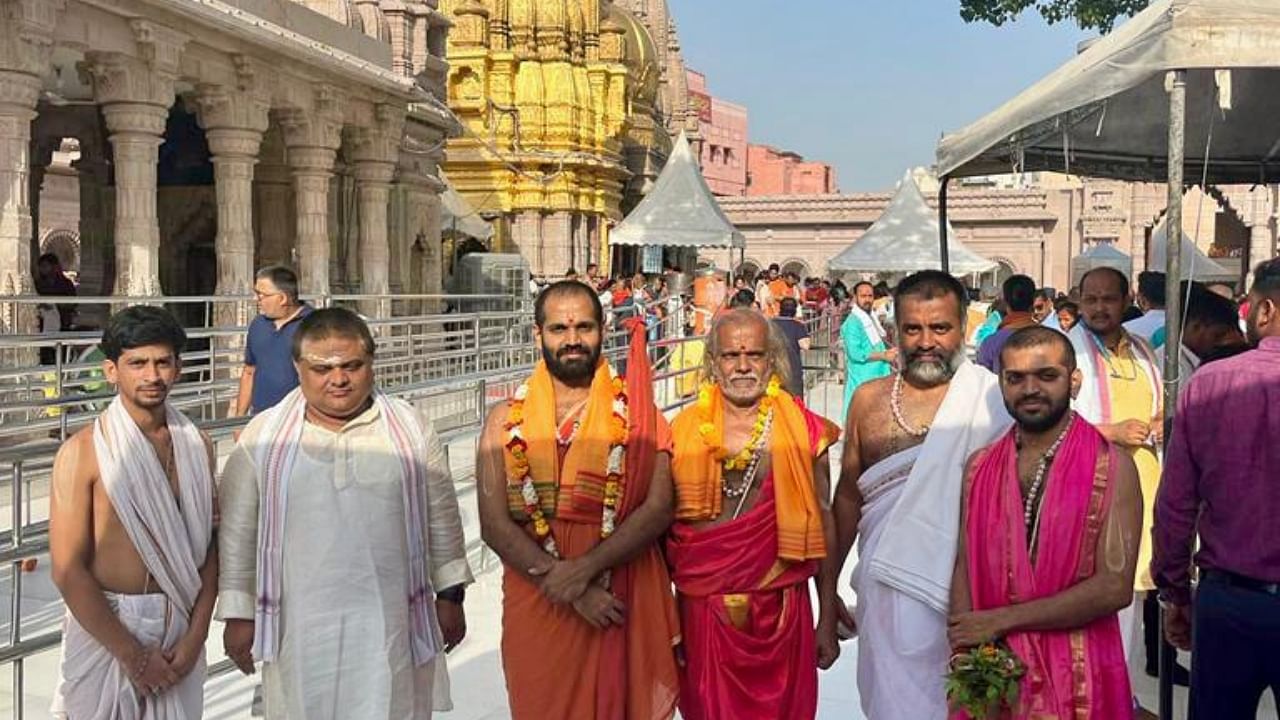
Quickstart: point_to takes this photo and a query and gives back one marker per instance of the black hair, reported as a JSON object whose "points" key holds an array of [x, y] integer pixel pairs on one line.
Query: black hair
{"points": [[1266, 279], [284, 279], [48, 258], [1019, 293], [566, 287], [1040, 336], [330, 322], [1208, 308], [1069, 306], [140, 326], [932, 284], [860, 283], [743, 298], [787, 307], [1108, 270], [1151, 287]]}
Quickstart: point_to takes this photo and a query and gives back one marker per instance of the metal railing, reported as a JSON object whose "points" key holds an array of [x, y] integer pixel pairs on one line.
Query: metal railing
{"points": [[455, 366]]}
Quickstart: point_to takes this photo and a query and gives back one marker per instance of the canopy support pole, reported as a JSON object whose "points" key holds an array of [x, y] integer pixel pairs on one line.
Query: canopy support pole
{"points": [[942, 224], [1176, 84]]}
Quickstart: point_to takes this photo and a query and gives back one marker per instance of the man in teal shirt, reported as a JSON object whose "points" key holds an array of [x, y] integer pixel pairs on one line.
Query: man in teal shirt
{"points": [[865, 355]]}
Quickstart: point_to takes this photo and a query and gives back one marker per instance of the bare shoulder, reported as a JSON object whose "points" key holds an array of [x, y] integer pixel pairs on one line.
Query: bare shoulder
{"points": [[494, 420], [77, 455]]}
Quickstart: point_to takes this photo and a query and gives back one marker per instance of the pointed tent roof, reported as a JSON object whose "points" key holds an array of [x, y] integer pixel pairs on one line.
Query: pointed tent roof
{"points": [[1100, 255], [1195, 264], [905, 239], [679, 211]]}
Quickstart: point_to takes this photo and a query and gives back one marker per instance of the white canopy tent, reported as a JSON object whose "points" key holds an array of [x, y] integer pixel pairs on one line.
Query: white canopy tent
{"points": [[457, 216], [1195, 264], [1100, 255], [679, 211], [905, 239], [1105, 112], [1187, 89]]}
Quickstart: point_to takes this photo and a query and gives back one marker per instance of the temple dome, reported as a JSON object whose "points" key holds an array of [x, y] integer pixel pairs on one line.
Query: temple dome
{"points": [[642, 54], [339, 11]]}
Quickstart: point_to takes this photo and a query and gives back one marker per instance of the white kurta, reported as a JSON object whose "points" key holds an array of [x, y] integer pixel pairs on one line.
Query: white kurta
{"points": [[344, 647]]}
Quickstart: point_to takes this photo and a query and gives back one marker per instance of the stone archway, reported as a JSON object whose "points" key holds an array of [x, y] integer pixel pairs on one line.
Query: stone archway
{"points": [[66, 245], [747, 267], [797, 266]]}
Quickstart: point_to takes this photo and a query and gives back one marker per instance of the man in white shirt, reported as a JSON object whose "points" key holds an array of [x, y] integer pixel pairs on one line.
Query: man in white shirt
{"points": [[342, 557], [1150, 326]]}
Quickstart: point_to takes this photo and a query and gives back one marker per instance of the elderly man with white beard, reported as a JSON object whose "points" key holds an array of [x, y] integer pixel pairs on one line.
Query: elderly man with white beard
{"points": [[907, 438]]}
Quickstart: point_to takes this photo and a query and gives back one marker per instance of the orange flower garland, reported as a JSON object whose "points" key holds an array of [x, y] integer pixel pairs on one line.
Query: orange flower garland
{"points": [[518, 447]]}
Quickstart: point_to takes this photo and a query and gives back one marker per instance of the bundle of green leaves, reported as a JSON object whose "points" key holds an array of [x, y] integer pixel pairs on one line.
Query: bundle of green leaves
{"points": [[984, 681]]}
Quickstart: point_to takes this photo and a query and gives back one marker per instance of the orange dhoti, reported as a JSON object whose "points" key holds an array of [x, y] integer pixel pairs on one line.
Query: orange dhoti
{"points": [[558, 666]]}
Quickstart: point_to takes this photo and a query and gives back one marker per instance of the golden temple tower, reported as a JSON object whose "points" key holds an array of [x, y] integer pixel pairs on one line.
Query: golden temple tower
{"points": [[568, 117]]}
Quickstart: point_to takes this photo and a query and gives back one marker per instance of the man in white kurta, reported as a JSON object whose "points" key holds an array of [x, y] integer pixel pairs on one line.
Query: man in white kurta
{"points": [[345, 645]]}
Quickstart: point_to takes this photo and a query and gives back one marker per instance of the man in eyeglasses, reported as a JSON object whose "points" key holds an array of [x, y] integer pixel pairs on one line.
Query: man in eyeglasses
{"points": [[1121, 394], [269, 372]]}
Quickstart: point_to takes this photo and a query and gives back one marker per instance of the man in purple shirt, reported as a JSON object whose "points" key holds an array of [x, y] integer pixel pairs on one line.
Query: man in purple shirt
{"points": [[1220, 481], [1019, 293]]}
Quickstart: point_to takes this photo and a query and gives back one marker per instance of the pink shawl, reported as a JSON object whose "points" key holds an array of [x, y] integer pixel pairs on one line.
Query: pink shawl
{"points": [[1078, 673]]}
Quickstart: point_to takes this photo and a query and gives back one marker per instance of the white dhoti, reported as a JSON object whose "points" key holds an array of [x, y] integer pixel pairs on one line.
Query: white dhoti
{"points": [[906, 553], [92, 683], [902, 642]]}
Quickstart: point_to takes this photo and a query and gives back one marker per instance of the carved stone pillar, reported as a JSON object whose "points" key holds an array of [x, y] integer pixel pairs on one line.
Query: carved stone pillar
{"points": [[27, 28], [374, 153], [273, 205], [234, 122], [312, 138], [18, 94], [135, 94], [1262, 247]]}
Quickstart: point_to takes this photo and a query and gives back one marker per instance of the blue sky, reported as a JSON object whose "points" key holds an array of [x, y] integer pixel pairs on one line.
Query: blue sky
{"points": [[867, 85]]}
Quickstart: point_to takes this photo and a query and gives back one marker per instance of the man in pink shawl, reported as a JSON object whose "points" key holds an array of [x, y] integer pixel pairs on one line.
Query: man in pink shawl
{"points": [[1049, 541]]}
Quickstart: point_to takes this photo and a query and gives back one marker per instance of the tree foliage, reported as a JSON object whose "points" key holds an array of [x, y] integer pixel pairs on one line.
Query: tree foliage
{"points": [[1088, 14]]}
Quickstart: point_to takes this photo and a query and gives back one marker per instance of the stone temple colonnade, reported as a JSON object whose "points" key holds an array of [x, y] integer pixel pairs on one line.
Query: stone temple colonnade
{"points": [[215, 137]]}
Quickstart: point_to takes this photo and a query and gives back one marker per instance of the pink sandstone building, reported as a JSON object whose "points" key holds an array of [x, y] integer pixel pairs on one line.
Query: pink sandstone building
{"points": [[722, 127], [771, 171]]}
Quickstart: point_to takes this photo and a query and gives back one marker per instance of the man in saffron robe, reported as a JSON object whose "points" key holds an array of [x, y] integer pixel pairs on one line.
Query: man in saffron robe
{"points": [[575, 490], [753, 526], [1049, 541]]}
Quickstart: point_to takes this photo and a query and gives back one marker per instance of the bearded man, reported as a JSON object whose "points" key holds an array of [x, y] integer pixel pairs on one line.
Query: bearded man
{"points": [[575, 490], [753, 526], [1049, 541], [131, 520], [907, 437], [343, 561]]}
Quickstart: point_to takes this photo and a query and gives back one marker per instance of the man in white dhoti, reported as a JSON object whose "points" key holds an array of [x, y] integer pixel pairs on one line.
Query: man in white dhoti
{"points": [[131, 518], [907, 439], [343, 562]]}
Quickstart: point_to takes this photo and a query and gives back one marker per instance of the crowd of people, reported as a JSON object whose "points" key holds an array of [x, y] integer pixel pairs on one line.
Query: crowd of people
{"points": [[1020, 504]]}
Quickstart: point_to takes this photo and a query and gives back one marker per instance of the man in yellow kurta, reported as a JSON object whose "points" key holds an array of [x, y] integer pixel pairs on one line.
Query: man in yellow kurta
{"points": [[1121, 395]]}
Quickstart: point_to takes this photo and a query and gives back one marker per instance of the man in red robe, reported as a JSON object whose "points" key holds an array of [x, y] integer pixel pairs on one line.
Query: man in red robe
{"points": [[753, 526], [1049, 541]]}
